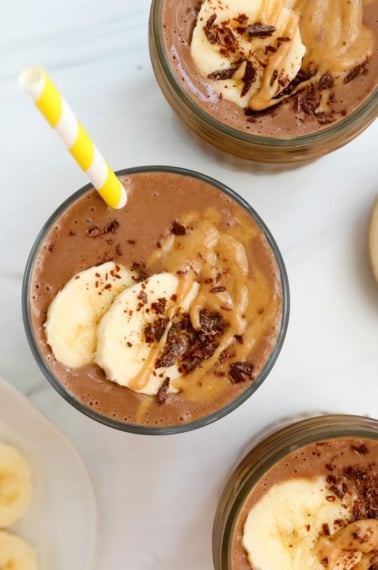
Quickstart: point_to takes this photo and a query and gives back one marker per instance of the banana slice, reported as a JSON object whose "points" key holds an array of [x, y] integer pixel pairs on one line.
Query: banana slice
{"points": [[373, 239], [75, 311], [15, 485], [125, 348], [249, 51], [16, 553], [282, 529]]}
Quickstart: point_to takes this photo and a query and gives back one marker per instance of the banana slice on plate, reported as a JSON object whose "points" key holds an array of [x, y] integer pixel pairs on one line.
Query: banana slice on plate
{"points": [[15, 486], [74, 313], [373, 239], [16, 553]]}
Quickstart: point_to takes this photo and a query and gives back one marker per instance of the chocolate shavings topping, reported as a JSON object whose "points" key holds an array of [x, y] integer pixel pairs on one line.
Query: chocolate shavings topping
{"points": [[259, 30], [162, 394], [241, 371], [190, 346], [96, 231]]}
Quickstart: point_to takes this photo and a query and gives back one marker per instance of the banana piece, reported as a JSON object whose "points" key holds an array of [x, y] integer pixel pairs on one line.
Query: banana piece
{"points": [[272, 61], [15, 486], [16, 553], [283, 527], [75, 311], [123, 351]]}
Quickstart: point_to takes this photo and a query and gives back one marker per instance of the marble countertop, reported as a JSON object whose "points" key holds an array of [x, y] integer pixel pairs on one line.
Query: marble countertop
{"points": [[157, 496]]}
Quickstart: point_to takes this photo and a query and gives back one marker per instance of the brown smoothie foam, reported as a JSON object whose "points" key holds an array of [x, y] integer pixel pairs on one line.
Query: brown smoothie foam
{"points": [[90, 233], [324, 98], [350, 469]]}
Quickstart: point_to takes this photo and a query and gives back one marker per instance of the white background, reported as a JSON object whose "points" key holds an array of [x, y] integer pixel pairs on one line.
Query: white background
{"points": [[157, 496]]}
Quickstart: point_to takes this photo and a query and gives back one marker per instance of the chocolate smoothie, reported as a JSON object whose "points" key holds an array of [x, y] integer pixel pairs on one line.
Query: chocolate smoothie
{"points": [[185, 228], [263, 75], [316, 508]]}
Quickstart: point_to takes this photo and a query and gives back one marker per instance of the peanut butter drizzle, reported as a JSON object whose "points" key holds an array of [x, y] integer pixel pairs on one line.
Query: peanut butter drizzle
{"points": [[334, 34], [228, 285], [336, 42], [354, 547]]}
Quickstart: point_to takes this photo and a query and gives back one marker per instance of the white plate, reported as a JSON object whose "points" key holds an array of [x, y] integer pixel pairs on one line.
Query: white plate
{"points": [[61, 520]]}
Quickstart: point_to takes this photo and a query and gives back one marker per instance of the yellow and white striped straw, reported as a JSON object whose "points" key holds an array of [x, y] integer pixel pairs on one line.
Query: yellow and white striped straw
{"points": [[60, 116]]}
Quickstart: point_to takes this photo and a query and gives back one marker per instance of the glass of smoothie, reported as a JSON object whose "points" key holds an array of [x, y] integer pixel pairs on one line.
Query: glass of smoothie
{"points": [[306, 496], [162, 316], [277, 82]]}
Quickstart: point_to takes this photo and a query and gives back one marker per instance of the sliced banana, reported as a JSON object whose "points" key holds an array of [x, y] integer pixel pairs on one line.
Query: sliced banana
{"points": [[16, 553], [75, 311], [229, 37], [124, 351], [15, 485], [283, 527], [373, 239]]}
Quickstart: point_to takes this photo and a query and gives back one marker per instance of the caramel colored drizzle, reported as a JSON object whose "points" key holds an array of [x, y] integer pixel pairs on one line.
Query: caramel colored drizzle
{"points": [[230, 285], [354, 547]]}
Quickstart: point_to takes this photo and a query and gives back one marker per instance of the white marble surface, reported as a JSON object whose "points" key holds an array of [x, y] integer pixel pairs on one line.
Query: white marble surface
{"points": [[157, 496]]}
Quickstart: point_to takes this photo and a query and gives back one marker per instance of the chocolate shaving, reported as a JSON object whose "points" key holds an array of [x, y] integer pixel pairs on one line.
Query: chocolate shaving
{"points": [[226, 37], [155, 330], [218, 289], [248, 78], [141, 271], [209, 31], [365, 482], [159, 306], [259, 30], [326, 81], [221, 74], [359, 69], [189, 347], [162, 394], [96, 231], [241, 371], [178, 229]]}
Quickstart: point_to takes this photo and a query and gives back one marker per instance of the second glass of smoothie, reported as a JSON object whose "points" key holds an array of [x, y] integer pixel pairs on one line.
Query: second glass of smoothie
{"points": [[279, 82], [305, 497], [160, 317]]}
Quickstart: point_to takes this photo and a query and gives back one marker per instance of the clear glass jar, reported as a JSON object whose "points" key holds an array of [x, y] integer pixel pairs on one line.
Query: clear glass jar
{"points": [[195, 103], [273, 448], [182, 180]]}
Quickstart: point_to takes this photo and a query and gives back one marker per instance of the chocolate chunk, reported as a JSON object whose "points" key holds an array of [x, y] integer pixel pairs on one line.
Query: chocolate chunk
{"points": [[159, 306], [96, 231], [223, 73], [360, 69], [178, 229], [365, 481], [189, 347], [326, 81], [178, 339], [162, 394], [259, 30], [241, 371], [209, 31], [218, 289], [248, 78], [155, 330]]}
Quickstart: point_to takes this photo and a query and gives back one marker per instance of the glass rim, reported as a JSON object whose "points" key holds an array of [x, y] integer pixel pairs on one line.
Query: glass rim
{"points": [[140, 428], [368, 109], [263, 455]]}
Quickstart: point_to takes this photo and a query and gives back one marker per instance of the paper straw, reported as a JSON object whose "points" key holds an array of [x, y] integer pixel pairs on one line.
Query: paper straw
{"points": [[60, 116]]}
